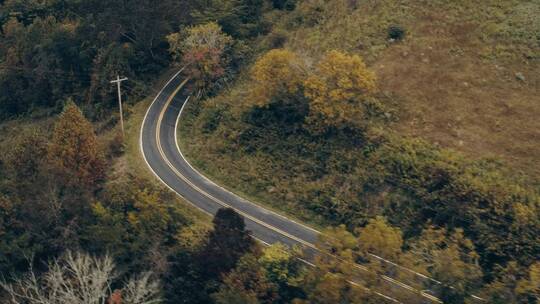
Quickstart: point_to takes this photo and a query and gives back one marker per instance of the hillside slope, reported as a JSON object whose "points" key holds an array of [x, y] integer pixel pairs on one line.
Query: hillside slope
{"points": [[465, 76], [456, 147]]}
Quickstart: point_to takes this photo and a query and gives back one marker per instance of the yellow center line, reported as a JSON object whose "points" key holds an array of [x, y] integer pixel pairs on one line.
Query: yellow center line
{"points": [[220, 202], [185, 179]]}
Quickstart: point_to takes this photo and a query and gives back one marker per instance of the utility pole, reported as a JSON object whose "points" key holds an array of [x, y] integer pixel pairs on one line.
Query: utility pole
{"points": [[118, 81]]}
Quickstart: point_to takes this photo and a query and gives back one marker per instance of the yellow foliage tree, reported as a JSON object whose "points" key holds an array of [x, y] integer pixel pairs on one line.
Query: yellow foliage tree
{"points": [[450, 259], [150, 214], [529, 288], [381, 239], [330, 280], [282, 264], [514, 286], [192, 237], [279, 72], [337, 89], [246, 284]]}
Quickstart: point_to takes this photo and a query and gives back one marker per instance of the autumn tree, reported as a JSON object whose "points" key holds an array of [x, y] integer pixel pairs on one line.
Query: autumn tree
{"points": [[247, 283], [26, 156], [204, 50], [44, 47], [48, 187], [528, 288], [274, 275], [113, 59], [451, 259], [197, 273], [330, 280], [514, 285], [337, 91], [284, 269], [25, 161], [381, 239], [135, 222], [378, 240], [24, 207], [74, 152], [59, 49], [278, 74]]}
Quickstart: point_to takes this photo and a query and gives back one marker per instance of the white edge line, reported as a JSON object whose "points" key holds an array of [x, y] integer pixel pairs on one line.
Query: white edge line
{"points": [[226, 190], [257, 205], [202, 191], [270, 211], [141, 148], [177, 146], [349, 281], [188, 201]]}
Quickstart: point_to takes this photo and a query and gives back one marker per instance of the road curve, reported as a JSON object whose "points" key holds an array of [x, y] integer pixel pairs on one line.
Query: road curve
{"points": [[160, 150]]}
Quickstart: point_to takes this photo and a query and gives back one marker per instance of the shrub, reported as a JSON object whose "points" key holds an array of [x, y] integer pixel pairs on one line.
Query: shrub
{"points": [[276, 39], [396, 32], [288, 5], [337, 90], [279, 72]]}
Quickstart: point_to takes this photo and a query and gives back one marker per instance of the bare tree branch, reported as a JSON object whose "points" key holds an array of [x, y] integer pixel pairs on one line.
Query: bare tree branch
{"points": [[79, 279]]}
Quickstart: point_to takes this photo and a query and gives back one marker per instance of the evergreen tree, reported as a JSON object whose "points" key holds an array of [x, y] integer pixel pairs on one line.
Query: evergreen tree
{"points": [[196, 273], [227, 243]]}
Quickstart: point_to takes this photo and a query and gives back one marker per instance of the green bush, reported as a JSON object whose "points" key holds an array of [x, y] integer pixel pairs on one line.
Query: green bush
{"points": [[288, 5], [396, 32]]}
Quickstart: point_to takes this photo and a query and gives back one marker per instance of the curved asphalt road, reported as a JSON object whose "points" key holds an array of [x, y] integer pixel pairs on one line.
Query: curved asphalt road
{"points": [[159, 147]]}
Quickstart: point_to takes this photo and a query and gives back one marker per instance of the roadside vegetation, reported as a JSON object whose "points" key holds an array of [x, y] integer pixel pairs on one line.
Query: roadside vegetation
{"points": [[370, 119], [324, 125]]}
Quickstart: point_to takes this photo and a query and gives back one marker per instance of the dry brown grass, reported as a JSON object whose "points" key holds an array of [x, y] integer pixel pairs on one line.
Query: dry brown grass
{"points": [[460, 99], [455, 73]]}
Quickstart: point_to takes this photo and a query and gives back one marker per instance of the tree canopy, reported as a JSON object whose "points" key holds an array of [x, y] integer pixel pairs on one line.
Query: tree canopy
{"points": [[338, 89], [205, 51], [74, 153]]}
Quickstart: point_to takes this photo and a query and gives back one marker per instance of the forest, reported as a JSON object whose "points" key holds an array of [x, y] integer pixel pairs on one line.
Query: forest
{"points": [[401, 129]]}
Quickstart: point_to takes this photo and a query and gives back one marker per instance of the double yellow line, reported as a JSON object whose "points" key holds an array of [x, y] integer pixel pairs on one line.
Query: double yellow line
{"points": [[245, 215], [187, 181]]}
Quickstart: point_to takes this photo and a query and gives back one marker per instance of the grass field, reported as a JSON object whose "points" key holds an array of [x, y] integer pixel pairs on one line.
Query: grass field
{"points": [[466, 75], [463, 78]]}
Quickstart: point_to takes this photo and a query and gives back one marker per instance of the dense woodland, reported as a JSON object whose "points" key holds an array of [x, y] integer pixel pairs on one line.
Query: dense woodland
{"points": [[282, 117]]}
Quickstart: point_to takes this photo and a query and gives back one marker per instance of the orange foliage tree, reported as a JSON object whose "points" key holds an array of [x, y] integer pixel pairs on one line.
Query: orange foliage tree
{"points": [[74, 152]]}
